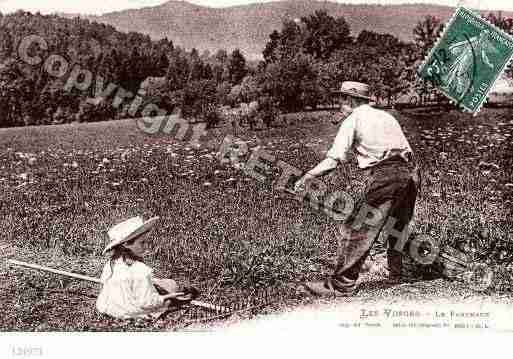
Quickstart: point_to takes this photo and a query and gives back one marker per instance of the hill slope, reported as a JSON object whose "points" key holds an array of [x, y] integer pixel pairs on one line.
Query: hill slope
{"points": [[248, 27]]}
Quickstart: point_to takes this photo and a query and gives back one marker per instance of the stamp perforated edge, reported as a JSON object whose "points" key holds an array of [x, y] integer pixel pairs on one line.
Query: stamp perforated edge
{"points": [[437, 42], [507, 63]]}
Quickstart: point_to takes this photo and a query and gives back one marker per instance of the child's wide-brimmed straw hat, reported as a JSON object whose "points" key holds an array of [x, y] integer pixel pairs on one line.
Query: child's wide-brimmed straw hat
{"points": [[355, 89], [127, 230]]}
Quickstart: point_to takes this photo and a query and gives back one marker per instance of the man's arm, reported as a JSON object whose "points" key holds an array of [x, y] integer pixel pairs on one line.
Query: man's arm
{"points": [[337, 153], [324, 167]]}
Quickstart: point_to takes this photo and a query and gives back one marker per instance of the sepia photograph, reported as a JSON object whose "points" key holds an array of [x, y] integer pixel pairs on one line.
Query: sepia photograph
{"points": [[207, 168]]}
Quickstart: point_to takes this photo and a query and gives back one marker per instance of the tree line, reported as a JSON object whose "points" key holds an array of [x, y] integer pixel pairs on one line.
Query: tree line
{"points": [[30, 96], [302, 63]]}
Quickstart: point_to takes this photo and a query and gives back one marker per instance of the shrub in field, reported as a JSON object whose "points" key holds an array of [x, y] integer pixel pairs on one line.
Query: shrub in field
{"points": [[154, 85], [93, 111], [156, 91], [223, 92], [211, 115], [268, 110], [249, 112], [231, 116], [237, 117], [197, 95], [62, 115], [235, 95], [249, 89]]}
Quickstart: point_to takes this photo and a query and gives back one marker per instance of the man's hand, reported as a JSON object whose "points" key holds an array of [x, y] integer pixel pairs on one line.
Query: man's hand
{"points": [[337, 117], [323, 168]]}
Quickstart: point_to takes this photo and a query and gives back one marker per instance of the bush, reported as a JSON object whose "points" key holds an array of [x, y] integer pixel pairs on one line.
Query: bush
{"points": [[235, 96], [94, 111], [197, 96], [268, 110], [211, 115], [223, 92]]}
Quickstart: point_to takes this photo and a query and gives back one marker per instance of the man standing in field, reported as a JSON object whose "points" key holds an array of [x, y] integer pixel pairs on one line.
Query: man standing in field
{"points": [[380, 146]]}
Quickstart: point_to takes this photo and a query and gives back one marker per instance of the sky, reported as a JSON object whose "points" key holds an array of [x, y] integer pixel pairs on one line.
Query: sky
{"points": [[103, 6]]}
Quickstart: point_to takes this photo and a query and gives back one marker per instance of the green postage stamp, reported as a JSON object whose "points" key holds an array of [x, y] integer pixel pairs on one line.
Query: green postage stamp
{"points": [[467, 59]]}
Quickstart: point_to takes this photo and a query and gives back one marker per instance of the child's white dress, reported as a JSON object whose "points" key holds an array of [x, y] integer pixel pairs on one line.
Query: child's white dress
{"points": [[129, 292]]}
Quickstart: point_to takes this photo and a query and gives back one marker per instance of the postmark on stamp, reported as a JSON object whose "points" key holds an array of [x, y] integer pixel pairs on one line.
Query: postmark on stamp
{"points": [[467, 59]]}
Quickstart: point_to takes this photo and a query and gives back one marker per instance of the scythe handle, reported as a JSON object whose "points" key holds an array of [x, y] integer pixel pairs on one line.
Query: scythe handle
{"points": [[197, 303], [54, 271]]}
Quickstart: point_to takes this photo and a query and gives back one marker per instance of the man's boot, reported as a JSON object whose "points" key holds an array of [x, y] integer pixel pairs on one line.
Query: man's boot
{"points": [[331, 287], [401, 268], [395, 261]]}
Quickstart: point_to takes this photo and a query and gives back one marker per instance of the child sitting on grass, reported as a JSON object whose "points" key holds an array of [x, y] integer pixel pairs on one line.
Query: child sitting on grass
{"points": [[129, 288]]}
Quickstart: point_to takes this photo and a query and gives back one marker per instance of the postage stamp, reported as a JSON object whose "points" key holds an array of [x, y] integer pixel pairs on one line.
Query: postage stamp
{"points": [[467, 60]]}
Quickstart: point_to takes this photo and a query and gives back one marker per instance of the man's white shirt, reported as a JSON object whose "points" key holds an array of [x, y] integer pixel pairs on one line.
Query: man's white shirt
{"points": [[373, 135]]}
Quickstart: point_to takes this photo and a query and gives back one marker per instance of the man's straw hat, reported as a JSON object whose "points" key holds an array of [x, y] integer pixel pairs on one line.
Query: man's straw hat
{"points": [[355, 89], [127, 230]]}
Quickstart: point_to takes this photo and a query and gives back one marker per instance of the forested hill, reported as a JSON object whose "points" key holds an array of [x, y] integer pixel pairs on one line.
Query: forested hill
{"points": [[248, 27], [94, 45], [29, 95], [303, 63]]}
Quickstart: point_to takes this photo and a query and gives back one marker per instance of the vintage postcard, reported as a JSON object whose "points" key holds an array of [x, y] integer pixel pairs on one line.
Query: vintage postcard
{"points": [[206, 169]]}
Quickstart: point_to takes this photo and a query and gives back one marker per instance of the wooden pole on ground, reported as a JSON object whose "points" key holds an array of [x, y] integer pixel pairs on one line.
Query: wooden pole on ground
{"points": [[196, 303]]}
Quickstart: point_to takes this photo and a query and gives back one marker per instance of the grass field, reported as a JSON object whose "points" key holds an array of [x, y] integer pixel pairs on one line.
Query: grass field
{"points": [[62, 187]]}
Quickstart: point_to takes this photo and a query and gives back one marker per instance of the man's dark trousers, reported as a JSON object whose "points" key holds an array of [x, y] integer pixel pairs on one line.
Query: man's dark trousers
{"points": [[391, 189]]}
